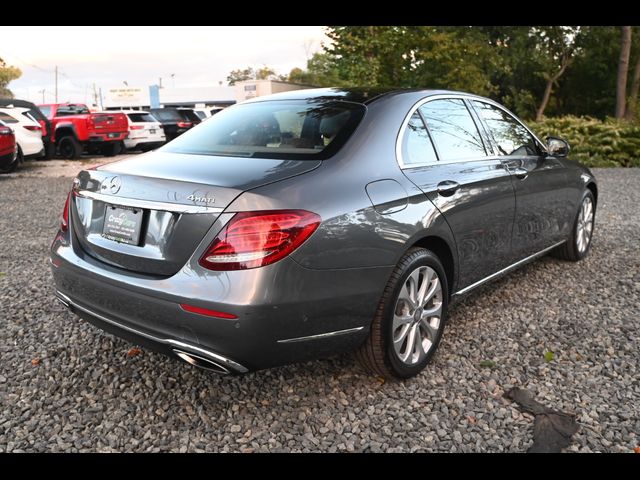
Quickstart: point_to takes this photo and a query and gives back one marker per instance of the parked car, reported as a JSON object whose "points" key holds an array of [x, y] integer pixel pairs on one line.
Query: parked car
{"points": [[189, 115], [8, 149], [173, 123], [28, 131], [44, 122], [145, 132], [312, 222], [76, 129]]}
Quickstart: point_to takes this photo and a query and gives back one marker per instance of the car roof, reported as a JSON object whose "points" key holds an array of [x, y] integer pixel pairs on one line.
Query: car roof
{"points": [[129, 111], [364, 95]]}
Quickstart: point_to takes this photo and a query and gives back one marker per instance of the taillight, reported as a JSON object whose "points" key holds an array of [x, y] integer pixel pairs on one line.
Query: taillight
{"points": [[64, 222], [184, 124], [256, 239], [5, 131], [136, 127], [33, 128]]}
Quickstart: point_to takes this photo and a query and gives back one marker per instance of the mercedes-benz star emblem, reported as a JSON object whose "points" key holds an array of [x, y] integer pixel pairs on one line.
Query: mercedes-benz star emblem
{"points": [[114, 184]]}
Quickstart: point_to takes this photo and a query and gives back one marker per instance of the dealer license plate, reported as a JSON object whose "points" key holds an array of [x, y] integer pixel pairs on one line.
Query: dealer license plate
{"points": [[122, 224]]}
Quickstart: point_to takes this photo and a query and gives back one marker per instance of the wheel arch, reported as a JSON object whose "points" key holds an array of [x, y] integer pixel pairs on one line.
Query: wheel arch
{"points": [[65, 130], [444, 252], [594, 190]]}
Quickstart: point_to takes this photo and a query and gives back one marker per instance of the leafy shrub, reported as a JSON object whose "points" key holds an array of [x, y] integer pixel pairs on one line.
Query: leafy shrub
{"points": [[595, 143]]}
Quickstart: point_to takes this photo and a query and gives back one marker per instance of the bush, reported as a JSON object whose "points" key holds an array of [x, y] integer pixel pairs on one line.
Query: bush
{"points": [[595, 143]]}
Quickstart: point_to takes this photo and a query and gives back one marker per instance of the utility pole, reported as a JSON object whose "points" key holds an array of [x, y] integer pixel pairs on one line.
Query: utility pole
{"points": [[42, 92], [160, 83], [56, 96], [95, 95]]}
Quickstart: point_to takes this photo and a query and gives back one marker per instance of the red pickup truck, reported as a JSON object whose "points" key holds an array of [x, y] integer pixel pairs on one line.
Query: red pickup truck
{"points": [[76, 129]]}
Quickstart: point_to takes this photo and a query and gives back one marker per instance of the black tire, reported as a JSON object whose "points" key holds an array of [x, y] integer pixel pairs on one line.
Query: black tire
{"points": [[377, 354], [19, 156], [112, 149], [11, 167], [570, 251], [69, 148]]}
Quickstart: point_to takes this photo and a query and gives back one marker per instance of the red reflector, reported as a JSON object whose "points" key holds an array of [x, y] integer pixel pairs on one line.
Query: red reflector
{"points": [[207, 312], [136, 127], [64, 222], [256, 239], [184, 124]]}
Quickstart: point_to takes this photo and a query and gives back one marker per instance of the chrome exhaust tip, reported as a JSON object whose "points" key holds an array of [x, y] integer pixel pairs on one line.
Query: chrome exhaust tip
{"points": [[201, 362]]}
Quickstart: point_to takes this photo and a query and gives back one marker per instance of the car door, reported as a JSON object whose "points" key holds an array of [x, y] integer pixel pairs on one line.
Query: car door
{"points": [[443, 153], [542, 212]]}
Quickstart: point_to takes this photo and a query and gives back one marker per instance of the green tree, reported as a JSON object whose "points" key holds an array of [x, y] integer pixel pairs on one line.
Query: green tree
{"points": [[7, 75], [320, 72], [249, 73]]}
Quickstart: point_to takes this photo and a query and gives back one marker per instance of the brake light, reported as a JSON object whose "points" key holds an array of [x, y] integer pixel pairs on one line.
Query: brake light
{"points": [[33, 128], [184, 124], [256, 239], [64, 222], [5, 131], [136, 127]]}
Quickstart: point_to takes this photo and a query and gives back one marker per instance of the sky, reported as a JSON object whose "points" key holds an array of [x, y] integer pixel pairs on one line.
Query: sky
{"points": [[110, 56]]}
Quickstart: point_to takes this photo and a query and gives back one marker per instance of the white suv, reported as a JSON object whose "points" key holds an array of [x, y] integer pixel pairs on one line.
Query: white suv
{"points": [[145, 132], [28, 131]]}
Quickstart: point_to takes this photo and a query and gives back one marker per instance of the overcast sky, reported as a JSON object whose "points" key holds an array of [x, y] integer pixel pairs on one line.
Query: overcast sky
{"points": [[109, 56]]}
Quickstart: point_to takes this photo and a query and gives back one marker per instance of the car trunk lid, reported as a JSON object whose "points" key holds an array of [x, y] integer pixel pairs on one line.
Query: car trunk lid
{"points": [[173, 199]]}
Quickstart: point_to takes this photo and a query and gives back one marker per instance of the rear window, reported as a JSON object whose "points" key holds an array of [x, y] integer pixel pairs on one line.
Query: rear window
{"points": [[64, 110], [141, 117], [7, 118], [274, 129], [46, 111], [167, 115], [189, 116]]}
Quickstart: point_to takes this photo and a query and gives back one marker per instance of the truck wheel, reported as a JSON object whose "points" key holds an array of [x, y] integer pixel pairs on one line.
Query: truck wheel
{"points": [[69, 148], [112, 150]]}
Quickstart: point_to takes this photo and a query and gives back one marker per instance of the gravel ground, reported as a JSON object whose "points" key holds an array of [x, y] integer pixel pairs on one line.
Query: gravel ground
{"points": [[65, 386]]}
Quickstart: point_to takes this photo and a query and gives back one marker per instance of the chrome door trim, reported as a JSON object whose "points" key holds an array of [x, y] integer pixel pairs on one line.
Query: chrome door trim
{"points": [[441, 96], [507, 269], [321, 335], [134, 202]]}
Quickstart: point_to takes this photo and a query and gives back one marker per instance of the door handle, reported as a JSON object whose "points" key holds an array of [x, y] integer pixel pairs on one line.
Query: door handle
{"points": [[448, 188], [521, 173]]}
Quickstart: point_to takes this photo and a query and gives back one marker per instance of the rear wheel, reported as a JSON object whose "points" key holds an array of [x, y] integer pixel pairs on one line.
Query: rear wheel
{"points": [[410, 318], [579, 242], [11, 167], [69, 148], [19, 156], [112, 149]]}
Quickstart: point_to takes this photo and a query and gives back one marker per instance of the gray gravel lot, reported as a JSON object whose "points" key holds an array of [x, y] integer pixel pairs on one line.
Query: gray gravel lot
{"points": [[86, 394]]}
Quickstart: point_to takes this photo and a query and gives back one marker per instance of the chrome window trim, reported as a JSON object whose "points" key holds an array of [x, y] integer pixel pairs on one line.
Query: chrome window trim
{"points": [[444, 96], [134, 202]]}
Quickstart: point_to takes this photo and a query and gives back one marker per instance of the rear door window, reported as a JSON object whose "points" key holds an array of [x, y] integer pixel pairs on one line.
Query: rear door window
{"points": [[453, 130], [6, 118]]}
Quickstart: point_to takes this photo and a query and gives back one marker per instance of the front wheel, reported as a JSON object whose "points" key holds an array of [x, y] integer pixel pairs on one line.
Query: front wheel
{"points": [[410, 318], [579, 242]]}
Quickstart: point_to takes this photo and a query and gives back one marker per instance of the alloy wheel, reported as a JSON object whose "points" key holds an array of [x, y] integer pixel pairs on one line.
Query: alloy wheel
{"points": [[417, 315], [584, 227]]}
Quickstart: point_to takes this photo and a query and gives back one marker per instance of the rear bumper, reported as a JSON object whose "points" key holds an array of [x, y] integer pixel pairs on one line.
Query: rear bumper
{"points": [[107, 137], [286, 313], [7, 159], [136, 143]]}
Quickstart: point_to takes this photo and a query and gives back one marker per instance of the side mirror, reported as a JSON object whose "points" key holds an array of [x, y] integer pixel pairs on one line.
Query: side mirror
{"points": [[557, 147]]}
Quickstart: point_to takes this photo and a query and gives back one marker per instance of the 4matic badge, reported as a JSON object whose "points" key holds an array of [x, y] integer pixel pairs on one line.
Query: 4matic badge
{"points": [[196, 198]]}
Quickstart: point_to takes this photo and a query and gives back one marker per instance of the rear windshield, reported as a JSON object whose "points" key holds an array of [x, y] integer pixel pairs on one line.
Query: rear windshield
{"points": [[189, 116], [46, 110], [141, 117], [274, 129], [167, 115], [64, 110]]}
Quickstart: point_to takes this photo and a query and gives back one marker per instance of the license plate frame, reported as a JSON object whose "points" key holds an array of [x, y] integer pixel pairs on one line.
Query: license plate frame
{"points": [[122, 224]]}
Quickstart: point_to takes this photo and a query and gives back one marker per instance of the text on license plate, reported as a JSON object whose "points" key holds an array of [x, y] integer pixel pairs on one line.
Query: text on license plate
{"points": [[122, 224]]}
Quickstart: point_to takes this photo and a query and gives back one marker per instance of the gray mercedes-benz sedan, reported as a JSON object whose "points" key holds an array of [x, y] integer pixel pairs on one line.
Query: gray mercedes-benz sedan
{"points": [[308, 223]]}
